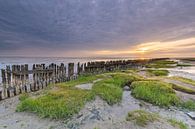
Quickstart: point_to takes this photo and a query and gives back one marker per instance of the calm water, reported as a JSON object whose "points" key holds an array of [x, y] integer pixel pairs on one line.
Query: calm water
{"points": [[187, 72], [187, 69]]}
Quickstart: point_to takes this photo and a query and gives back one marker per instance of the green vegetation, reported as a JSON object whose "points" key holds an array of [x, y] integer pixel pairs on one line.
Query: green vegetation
{"points": [[64, 100], [80, 80], [59, 103], [161, 94], [189, 105], [134, 73], [184, 80], [158, 72], [184, 65], [176, 123], [189, 59], [183, 89], [141, 118], [162, 64], [23, 96], [122, 79], [110, 89], [155, 92]]}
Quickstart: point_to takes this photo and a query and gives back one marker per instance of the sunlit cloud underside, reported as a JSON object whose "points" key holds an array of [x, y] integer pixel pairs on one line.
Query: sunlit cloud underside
{"points": [[182, 48]]}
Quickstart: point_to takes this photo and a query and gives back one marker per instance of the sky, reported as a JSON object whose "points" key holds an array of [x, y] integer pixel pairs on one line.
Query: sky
{"points": [[97, 28]]}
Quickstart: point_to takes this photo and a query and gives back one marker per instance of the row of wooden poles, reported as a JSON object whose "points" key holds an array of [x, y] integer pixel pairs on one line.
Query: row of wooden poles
{"points": [[15, 79]]}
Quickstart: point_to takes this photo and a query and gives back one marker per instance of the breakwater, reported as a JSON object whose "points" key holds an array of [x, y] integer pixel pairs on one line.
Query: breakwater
{"points": [[18, 79]]}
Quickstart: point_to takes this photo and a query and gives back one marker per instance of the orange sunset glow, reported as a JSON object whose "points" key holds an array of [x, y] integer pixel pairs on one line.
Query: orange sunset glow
{"points": [[151, 49]]}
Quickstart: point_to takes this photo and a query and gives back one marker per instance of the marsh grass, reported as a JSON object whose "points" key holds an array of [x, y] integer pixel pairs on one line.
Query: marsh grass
{"points": [[155, 92], [158, 72], [122, 79], [162, 64], [141, 117], [178, 124], [184, 80], [110, 89], [60, 103], [23, 96], [189, 105], [80, 80], [183, 89], [185, 65], [64, 100]]}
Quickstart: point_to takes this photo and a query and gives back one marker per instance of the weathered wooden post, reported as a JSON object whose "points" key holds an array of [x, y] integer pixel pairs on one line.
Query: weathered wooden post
{"points": [[16, 76], [44, 75], [22, 75], [3, 74], [54, 73], [65, 73], [1, 94], [26, 77], [70, 70], [62, 72], [13, 75], [34, 79], [78, 69], [11, 91], [8, 71], [84, 68]]}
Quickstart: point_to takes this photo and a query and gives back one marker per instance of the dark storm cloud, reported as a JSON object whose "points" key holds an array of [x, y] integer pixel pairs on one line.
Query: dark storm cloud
{"points": [[92, 24]]}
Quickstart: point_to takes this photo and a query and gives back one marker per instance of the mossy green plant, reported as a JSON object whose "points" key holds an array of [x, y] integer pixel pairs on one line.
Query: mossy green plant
{"points": [[177, 123], [141, 117], [58, 103], [189, 105], [63, 100], [184, 80], [23, 96], [162, 64], [80, 80], [183, 89], [158, 72], [155, 92], [110, 89]]}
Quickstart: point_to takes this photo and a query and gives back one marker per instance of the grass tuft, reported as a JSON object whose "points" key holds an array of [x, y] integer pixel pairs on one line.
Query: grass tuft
{"points": [[183, 89], [158, 72], [155, 92], [184, 80], [23, 96], [176, 123], [80, 80], [60, 103], [189, 105], [141, 118], [110, 89], [162, 64]]}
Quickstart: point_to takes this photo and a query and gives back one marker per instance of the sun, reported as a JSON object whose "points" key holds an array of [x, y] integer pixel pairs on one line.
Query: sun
{"points": [[143, 50]]}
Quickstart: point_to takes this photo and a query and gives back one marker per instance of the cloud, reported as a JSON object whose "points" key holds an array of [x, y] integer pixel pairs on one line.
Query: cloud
{"points": [[84, 25], [184, 47]]}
